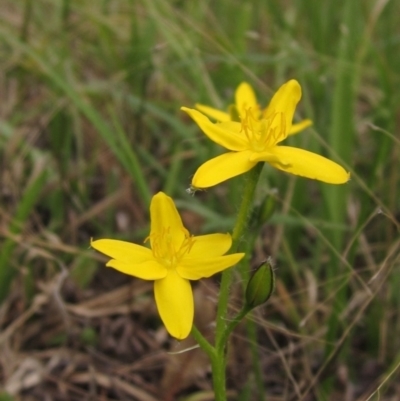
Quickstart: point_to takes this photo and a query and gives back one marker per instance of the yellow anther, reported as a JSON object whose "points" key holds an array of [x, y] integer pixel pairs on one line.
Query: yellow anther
{"points": [[168, 252], [265, 132]]}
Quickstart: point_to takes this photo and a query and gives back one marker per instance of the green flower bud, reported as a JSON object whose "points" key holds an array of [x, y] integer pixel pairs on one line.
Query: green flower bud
{"points": [[267, 208], [264, 211], [233, 112], [261, 285]]}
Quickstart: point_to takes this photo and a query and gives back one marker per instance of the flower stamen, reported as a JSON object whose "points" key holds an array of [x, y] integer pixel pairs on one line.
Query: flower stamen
{"points": [[164, 249], [263, 133]]}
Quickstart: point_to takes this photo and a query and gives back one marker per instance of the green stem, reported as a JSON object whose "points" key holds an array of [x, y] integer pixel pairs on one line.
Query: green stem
{"points": [[232, 324], [251, 325], [218, 362], [218, 368], [241, 224], [252, 335], [203, 343], [218, 359]]}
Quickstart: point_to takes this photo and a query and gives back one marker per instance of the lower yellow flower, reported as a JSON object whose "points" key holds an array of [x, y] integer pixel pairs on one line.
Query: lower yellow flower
{"points": [[175, 258], [256, 138]]}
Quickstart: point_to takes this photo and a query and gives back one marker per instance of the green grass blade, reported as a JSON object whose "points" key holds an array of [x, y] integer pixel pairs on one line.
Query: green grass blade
{"points": [[124, 153], [25, 206]]}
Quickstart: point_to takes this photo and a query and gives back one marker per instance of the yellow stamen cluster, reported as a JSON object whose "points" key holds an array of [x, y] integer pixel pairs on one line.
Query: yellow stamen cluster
{"points": [[263, 133], [164, 249]]}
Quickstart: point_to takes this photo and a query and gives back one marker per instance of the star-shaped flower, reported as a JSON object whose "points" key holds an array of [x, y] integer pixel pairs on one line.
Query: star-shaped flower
{"points": [[245, 98], [175, 258], [257, 137]]}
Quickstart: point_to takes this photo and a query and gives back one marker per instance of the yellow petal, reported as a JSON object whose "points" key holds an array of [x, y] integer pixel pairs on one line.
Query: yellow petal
{"points": [[211, 245], [216, 132], [233, 127], [222, 168], [306, 164], [150, 270], [174, 300], [299, 126], [284, 103], [165, 222], [197, 268], [245, 99], [213, 113], [121, 250]]}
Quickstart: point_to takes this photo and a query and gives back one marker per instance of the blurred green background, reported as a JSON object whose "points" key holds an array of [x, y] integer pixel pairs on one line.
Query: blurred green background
{"points": [[90, 129]]}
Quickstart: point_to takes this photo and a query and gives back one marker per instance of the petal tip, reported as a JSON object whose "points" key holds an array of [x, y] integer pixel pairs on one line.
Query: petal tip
{"points": [[188, 110], [244, 85], [180, 336], [341, 178], [160, 194], [344, 179], [293, 82]]}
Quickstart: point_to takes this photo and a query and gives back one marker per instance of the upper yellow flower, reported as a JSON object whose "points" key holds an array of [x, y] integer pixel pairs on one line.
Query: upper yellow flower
{"points": [[256, 138], [175, 258], [245, 98]]}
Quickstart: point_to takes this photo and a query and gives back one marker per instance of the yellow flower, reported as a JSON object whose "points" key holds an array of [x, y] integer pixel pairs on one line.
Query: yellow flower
{"points": [[256, 138], [175, 258], [245, 98]]}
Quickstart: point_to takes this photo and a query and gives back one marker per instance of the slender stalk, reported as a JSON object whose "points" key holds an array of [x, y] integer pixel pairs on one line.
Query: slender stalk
{"points": [[241, 223], [251, 326], [218, 361], [341, 139], [218, 368], [232, 324], [203, 343]]}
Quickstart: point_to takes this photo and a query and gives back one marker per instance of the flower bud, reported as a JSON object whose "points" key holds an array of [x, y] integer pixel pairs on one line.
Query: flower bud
{"points": [[267, 208], [233, 112], [261, 285], [264, 211]]}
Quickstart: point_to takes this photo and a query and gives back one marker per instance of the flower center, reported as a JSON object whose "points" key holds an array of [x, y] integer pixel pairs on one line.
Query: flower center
{"points": [[265, 132], [167, 249]]}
